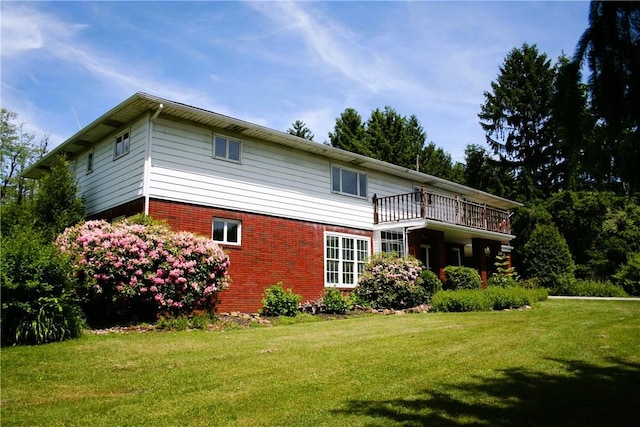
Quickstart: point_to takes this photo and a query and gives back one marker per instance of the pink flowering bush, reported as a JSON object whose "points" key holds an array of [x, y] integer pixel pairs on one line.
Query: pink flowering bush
{"points": [[389, 281], [135, 271]]}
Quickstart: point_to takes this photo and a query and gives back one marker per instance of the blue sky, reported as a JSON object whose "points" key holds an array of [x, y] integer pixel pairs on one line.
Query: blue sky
{"points": [[66, 63]]}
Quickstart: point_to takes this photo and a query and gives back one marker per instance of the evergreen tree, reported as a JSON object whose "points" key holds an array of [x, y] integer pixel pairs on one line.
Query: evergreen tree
{"points": [[517, 119], [576, 160], [300, 129], [349, 133], [611, 47], [56, 204], [486, 174]]}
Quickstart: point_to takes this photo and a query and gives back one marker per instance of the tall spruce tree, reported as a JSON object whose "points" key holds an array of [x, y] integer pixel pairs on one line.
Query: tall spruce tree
{"points": [[518, 122], [576, 160]]}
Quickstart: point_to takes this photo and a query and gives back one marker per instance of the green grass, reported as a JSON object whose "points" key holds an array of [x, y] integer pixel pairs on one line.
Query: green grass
{"points": [[562, 363]]}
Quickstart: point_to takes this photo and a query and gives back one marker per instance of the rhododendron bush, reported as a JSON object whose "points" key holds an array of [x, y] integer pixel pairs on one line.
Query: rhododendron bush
{"points": [[389, 281], [131, 270]]}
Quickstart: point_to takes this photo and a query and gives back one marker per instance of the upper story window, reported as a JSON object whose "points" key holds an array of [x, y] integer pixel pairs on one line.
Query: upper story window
{"points": [[121, 144], [226, 148], [226, 231], [347, 181], [90, 162]]}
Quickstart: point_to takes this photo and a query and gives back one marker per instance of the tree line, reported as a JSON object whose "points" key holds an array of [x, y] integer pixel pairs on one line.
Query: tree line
{"points": [[546, 129]]}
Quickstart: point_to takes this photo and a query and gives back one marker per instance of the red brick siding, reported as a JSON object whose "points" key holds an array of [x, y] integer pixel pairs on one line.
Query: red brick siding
{"points": [[273, 249]]}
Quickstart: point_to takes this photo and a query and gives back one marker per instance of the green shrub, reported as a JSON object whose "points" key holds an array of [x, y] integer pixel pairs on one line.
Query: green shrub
{"points": [[587, 288], [629, 274], [546, 256], [334, 302], [502, 298], [462, 278], [173, 323], [201, 321], [38, 302], [389, 281], [431, 283], [538, 294], [461, 300], [280, 302]]}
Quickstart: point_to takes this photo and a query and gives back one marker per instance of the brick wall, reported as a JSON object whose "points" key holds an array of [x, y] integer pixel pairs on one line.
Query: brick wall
{"points": [[273, 249]]}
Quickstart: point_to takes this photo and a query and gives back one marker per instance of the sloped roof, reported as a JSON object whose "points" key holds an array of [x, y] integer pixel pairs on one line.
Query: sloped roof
{"points": [[142, 103]]}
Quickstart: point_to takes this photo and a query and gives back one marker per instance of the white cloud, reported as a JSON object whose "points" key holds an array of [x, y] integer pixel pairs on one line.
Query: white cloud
{"points": [[337, 47]]}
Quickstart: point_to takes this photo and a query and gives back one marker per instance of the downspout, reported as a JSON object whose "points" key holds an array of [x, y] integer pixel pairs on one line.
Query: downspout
{"points": [[147, 159]]}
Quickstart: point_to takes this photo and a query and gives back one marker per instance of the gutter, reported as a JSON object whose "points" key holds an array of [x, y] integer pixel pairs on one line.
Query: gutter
{"points": [[147, 159]]}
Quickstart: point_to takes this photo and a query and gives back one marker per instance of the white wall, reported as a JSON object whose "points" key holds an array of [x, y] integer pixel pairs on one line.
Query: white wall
{"points": [[113, 181], [270, 179]]}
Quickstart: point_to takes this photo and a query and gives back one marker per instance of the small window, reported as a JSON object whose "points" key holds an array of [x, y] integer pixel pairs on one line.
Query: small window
{"points": [[348, 181], [90, 162], [121, 144], [226, 148], [226, 231]]}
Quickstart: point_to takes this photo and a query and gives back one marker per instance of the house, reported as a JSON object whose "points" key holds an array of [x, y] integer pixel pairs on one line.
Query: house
{"points": [[284, 208]]}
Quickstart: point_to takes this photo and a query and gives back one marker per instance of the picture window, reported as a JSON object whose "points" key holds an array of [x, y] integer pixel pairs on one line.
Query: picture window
{"points": [[347, 181]]}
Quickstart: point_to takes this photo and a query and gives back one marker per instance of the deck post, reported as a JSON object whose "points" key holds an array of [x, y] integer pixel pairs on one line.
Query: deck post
{"points": [[423, 202], [375, 208]]}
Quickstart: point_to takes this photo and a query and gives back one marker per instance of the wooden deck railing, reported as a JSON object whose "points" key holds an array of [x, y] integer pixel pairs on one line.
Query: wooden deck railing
{"points": [[452, 210]]}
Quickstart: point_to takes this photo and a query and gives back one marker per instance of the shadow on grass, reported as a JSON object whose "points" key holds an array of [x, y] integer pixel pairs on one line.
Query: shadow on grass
{"points": [[584, 395]]}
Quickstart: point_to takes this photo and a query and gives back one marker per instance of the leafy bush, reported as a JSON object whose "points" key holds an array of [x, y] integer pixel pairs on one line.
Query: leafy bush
{"points": [[431, 283], [587, 288], [493, 298], [280, 302], [546, 256], [334, 302], [389, 281], [502, 298], [462, 278], [461, 300], [136, 272], [629, 274], [538, 294], [38, 303]]}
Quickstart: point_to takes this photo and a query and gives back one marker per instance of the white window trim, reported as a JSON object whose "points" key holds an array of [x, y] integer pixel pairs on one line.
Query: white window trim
{"points": [[340, 236], [224, 240], [358, 173], [227, 138], [115, 144]]}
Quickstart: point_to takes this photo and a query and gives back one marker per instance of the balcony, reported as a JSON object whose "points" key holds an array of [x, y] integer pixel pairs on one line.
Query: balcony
{"points": [[437, 207]]}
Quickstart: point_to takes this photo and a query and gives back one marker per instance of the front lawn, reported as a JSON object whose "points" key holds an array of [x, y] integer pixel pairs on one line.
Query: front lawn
{"points": [[565, 362]]}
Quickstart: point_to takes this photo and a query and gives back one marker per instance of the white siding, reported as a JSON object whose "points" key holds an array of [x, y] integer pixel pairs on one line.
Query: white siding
{"points": [[270, 180], [113, 181]]}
